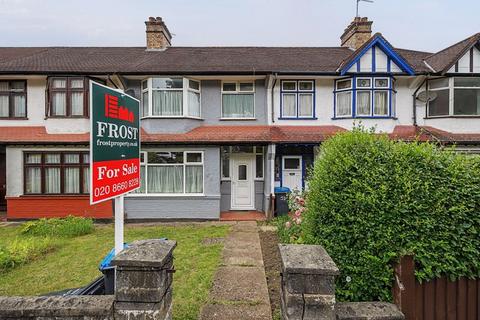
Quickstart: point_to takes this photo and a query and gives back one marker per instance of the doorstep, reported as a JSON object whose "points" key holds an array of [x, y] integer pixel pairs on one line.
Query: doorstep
{"points": [[242, 216]]}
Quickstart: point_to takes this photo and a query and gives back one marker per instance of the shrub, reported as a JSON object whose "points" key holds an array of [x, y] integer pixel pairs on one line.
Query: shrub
{"points": [[66, 227], [372, 200], [289, 226], [21, 251]]}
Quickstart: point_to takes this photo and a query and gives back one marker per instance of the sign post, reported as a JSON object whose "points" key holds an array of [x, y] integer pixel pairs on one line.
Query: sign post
{"points": [[114, 149]]}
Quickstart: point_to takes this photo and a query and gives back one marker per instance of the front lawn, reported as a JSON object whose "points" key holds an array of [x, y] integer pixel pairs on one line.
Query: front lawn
{"points": [[75, 263]]}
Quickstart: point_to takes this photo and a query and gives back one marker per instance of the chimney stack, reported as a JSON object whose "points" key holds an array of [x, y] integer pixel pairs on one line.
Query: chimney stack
{"points": [[357, 33], [158, 35]]}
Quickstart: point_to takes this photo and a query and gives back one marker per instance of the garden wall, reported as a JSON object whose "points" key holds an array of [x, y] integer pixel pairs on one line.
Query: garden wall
{"points": [[143, 290]]}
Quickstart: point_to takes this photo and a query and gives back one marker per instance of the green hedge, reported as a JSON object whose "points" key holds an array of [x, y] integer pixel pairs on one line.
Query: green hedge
{"points": [[59, 227], [372, 200]]}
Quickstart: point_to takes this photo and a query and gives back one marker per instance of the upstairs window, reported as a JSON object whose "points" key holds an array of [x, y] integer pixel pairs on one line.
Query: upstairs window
{"points": [[67, 97], [238, 100], [454, 97], [365, 97], [171, 97], [13, 99], [297, 99]]}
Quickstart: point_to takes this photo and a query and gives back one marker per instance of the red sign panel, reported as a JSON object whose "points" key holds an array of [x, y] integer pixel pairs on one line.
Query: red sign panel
{"points": [[114, 143]]}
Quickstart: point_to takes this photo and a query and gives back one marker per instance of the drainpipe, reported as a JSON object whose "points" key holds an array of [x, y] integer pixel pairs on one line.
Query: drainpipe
{"points": [[273, 96], [414, 100]]}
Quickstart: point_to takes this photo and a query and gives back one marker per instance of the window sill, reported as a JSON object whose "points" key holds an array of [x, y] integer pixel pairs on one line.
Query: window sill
{"points": [[452, 117], [55, 196], [299, 118], [171, 117], [166, 195], [238, 119], [365, 118], [67, 117], [13, 118]]}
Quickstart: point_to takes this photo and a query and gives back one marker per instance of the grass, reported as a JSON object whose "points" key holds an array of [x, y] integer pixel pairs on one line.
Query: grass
{"points": [[75, 263]]}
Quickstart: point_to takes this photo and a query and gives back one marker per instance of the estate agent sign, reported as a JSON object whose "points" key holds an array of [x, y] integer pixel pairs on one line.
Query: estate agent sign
{"points": [[114, 143], [114, 149]]}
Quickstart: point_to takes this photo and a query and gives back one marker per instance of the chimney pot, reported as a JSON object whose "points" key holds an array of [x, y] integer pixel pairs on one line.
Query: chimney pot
{"points": [[357, 33], [158, 35]]}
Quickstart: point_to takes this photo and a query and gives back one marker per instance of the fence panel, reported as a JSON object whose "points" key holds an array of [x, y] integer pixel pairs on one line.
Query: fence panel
{"points": [[438, 299]]}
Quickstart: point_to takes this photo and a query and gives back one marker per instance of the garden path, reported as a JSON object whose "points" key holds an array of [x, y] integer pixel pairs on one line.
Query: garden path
{"points": [[240, 289]]}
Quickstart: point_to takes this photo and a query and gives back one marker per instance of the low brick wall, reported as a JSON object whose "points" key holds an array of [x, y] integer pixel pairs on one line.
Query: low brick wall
{"points": [[35, 207], [308, 289], [143, 290]]}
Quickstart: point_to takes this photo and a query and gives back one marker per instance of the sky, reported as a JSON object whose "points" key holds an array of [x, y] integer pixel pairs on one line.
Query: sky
{"points": [[427, 25]]}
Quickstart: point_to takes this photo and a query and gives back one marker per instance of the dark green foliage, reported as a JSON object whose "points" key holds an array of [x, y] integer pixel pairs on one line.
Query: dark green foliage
{"points": [[372, 200], [65, 227]]}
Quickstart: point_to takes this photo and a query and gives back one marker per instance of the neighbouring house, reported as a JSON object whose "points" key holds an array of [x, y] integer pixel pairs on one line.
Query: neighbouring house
{"points": [[221, 126]]}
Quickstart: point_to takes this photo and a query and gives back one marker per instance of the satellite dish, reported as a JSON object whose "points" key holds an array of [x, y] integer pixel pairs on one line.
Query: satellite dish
{"points": [[426, 96]]}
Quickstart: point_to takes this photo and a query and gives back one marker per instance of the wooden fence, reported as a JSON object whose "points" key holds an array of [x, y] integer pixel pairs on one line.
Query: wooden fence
{"points": [[439, 299]]}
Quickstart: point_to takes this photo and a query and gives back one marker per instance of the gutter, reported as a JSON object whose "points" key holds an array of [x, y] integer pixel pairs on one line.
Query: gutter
{"points": [[273, 96]]}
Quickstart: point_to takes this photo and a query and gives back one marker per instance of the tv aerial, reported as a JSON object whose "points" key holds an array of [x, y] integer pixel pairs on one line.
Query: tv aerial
{"points": [[358, 1]]}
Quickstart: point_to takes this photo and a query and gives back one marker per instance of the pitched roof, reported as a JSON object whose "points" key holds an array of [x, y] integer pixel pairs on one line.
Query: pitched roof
{"points": [[186, 60], [178, 60], [443, 60]]}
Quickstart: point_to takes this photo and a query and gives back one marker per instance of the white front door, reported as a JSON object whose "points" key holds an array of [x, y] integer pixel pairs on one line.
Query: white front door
{"points": [[243, 193], [292, 172]]}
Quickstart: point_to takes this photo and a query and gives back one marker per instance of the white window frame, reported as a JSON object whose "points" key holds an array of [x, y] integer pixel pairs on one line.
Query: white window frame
{"points": [[343, 90], [185, 89], [237, 91], [184, 164], [256, 151], [451, 101]]}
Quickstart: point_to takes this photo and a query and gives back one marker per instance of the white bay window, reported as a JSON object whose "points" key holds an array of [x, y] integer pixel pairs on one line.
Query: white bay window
{"points": [[165, 97]]}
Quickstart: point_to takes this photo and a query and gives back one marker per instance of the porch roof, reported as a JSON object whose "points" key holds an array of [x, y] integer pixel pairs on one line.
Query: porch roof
{"points": [[235, 134]]}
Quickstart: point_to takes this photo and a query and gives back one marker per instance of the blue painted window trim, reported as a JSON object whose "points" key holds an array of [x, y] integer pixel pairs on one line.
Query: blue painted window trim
{"points": [[297, 92], [392, 56], [353, 89]]}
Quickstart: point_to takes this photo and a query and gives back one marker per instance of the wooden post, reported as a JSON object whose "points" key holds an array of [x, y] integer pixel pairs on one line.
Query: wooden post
{"points": [[404, 286]]}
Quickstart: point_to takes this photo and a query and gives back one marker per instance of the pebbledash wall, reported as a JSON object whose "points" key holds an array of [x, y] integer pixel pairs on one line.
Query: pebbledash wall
{"points": [[36, 98], [211, 109], [405, 87]]}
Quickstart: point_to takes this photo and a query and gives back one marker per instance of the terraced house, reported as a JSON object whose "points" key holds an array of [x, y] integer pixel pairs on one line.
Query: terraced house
{"points": [[221, 126]]}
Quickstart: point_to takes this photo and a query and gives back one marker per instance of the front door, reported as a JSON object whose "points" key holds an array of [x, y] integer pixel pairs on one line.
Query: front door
{"points": [[243, 193], [292, 172]]}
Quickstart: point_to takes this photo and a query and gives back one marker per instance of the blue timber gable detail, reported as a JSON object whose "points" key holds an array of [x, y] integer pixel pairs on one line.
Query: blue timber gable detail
{"points": [[379, 43]]}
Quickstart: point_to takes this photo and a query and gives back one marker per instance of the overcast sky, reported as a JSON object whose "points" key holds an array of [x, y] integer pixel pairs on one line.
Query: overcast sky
{"points": [[427, 25]]}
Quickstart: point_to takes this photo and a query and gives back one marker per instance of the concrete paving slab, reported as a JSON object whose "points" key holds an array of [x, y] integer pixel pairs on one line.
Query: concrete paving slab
{"points": [[237, 283], [236, 312]]}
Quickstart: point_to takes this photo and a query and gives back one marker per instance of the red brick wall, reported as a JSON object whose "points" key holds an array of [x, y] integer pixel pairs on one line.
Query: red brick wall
{"points": [[33, 207]]}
